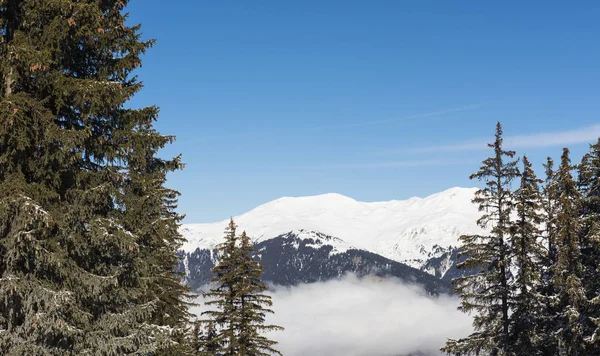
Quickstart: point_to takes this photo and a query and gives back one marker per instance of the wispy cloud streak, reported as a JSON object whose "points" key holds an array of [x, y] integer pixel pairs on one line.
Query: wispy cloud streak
{"points": [[411, 117], [396, 164], [534, 140], [364, 123]]}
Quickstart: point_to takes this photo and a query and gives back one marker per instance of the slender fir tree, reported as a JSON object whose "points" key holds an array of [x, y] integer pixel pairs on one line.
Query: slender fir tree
{"points": [[203, 339], [487, 292], [569, 269], [549, 208], [254, 305], [83, 270], [589, 186], [239, 304], [546, 315], [223, 297], [528, 254]]}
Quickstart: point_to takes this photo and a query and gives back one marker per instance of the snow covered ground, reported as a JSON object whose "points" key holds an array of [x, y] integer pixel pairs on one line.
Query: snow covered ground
{"points": [[408, 231]]}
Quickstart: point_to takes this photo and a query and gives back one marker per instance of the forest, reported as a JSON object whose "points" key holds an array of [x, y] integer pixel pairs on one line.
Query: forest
{"points": [[89, 228]]}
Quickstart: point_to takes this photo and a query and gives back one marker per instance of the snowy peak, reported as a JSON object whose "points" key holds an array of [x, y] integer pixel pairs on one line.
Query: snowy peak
{"points": [[316, 240], [408, 231]]}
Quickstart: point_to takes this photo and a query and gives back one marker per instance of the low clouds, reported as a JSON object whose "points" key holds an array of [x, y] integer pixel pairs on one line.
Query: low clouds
{"points": [[367, 316]]}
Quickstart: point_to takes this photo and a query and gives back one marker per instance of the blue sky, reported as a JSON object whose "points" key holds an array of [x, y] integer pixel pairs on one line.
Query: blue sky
{"points": [[376, 100]]}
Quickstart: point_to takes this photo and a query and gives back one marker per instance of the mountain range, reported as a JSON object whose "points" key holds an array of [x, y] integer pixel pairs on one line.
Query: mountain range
{"points": [[315, 238]]}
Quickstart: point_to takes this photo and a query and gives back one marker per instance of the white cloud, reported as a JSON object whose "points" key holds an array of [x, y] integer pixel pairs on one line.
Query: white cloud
{"points": [[367, 316], [588, 134], [422, 163]]}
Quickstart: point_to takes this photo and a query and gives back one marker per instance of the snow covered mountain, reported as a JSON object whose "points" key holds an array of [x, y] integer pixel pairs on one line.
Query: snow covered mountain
{"points": [[419, 232], [307, 256]]}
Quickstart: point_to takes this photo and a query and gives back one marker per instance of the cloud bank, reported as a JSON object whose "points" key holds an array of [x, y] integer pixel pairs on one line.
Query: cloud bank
{"points": [[360, 317]]}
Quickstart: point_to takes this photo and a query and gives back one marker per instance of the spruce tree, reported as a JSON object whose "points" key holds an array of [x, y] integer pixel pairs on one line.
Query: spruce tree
{"points": [[222, 298], [254, 305], [487, 292], [203, 339], [88, 232], [239, 305], [528, 254], [546, 314], [549, 208], [150, 211], [569, 269], [589, 186]]}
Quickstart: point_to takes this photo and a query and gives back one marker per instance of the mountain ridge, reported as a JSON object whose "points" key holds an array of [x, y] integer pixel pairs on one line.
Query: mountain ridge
{"points": [[412, 231]]}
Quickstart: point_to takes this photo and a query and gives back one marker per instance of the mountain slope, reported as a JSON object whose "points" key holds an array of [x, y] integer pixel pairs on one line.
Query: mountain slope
{"points": [[419, 232], [306, 256]]}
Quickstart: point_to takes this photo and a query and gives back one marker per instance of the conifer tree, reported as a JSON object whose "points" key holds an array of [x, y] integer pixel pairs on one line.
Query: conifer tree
{"points": [[546, 314], [254, 305], [487, 292], [149, 210], [223, 297], [203, 339], [568, 271], [528, 253], [549, 208], [239, 304], [88, 232], [589, 186]]}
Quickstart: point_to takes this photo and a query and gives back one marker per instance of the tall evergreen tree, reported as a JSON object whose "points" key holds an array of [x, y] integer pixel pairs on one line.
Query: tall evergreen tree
{"points": [[589, 186], [487, 292], [546, 315], [223, 297], [149, 211], [240, 306], [569, 269], [254, 305], [88, 232], [203, 339], [549, 208], [528, 254]]}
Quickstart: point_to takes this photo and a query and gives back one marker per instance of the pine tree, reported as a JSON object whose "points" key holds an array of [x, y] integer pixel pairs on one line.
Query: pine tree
{"points": [[253, 305], [203, 339], [83, 269], [546, 314], [149, 211], [528, 253], [589, 186], [487, 292], [240, 306], [568, 271], [223, 297], [549, 208]]}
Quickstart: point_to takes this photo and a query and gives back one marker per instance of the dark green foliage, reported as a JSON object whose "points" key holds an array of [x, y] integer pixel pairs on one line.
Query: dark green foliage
{"points": [[549, 208], [546, 315], [203, 339], [568, 271], [553, 302], [528, 254], [487, 293], [589, 186], [88, 232], [223, 296], [254, 305], [239, 304]]}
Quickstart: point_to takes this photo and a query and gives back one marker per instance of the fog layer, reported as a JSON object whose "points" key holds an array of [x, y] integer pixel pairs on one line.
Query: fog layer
{"points": [[366, 316]]}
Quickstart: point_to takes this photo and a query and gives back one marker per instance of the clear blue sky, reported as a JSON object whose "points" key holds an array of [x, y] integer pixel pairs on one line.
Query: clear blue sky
{"points": [[376, 100]]}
